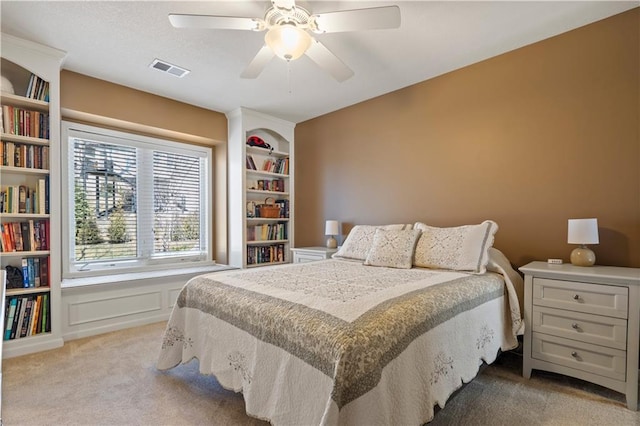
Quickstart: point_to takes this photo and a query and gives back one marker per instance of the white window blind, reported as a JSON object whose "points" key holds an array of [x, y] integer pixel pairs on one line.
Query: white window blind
{"points": [[138, 202]]}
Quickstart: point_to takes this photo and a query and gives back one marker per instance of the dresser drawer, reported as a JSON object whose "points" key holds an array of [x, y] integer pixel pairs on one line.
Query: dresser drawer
{"points": [[581, 297], [594, 359], [596, 329], [307, 257]]}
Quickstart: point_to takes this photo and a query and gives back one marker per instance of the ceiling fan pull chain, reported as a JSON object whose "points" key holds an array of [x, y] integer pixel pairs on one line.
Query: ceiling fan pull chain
{"points": [[289, 76]]}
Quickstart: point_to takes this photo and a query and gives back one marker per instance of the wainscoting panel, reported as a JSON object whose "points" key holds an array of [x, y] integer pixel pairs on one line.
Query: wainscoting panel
{"points": [[100, 308], [114, 307]]}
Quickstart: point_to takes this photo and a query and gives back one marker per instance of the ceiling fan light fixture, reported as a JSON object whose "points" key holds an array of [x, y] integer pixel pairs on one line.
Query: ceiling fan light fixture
{"points": [[288, 41]]}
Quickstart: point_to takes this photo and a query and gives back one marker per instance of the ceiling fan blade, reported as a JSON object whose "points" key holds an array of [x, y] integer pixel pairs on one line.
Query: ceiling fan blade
{"points": [[214, 22], [258, 63], [374, 18], [328, 61]]}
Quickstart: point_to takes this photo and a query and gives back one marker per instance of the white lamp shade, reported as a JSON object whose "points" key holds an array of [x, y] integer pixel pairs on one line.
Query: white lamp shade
{"points": [[288, 41], [583, 231], [331, 227]]}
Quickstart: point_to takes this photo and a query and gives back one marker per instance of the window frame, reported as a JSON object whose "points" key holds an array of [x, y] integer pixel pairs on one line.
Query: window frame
{"points": [[71, 269]]}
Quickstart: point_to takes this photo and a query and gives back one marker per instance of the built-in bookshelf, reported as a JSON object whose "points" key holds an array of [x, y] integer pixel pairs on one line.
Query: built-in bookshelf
{"points": [[261, 190], [29, 205]]}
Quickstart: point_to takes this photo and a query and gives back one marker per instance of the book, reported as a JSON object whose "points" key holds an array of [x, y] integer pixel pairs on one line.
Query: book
{"points": [[44, 272], [35, 316], [9, 323], [36, 235], [25, 272], [36, 272], [22, 199], [32, 235], [31, 270], [38, 324], [41, 196], [250, 163], [44, 234], [45, 313], [16, 316], [17, 236], [26, 238], [7, 236], [27, 318], [16, 328]]}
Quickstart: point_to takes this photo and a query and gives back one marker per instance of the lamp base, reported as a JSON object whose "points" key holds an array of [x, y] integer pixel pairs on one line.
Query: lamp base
{"points": [[332, 243], [583, 256]]}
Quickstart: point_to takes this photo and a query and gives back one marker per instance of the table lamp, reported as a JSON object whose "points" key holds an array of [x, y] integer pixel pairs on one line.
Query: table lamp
{"points": [[583, 232], [331, 229]]}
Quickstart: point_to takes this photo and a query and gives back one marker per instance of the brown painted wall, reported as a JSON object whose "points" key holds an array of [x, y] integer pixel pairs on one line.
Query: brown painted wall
{"points": [[529, 139], [106, 104], [104, 99]]}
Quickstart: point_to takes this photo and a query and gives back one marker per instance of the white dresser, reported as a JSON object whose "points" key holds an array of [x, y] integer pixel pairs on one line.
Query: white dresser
{"points": [[583, 322]]}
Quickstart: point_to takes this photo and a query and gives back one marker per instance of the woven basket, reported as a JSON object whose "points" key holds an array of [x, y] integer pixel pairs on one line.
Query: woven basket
{"points": [[269, 210]]}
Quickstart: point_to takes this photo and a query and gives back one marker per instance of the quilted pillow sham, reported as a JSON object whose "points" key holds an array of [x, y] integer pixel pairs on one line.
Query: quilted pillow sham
{"points": [[358, 243], [393, 248], [460, 248]]}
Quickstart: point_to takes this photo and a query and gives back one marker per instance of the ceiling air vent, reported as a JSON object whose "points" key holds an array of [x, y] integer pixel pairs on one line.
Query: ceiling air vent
{"points": [[169, 68]]}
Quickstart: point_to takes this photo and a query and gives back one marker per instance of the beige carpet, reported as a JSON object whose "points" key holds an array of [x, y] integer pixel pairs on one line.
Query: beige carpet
{"points": [[111, 380]]}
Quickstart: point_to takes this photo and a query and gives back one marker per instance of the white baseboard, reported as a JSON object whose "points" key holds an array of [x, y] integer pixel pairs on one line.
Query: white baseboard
{"points": [[120, 325], [24, 346]]}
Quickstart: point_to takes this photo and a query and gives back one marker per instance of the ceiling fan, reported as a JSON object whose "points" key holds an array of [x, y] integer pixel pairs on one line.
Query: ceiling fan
{"points": [[288, 28]]}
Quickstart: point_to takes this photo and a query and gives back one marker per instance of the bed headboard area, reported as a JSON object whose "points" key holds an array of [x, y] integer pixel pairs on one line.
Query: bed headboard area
{"points": [[528, 139]]}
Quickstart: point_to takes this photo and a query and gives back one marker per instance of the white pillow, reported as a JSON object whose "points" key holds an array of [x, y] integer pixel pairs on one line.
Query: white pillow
{"points": [[393, 248], [461, 248], [358, 242]]}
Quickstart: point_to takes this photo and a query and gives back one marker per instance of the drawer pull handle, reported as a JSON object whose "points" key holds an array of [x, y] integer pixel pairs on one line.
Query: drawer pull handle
{"points": [[575, 326], [574, 354], [576, 297]]}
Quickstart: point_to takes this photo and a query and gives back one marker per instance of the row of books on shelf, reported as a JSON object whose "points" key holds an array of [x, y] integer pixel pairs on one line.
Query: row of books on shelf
{"points": [[277, 165], [24, 155], [34, 272], [24, 199], [267, 232], [23, 122], [37, 89], [27, 315], [273, 253], [29, 235], [274, 185], [253, 209]]}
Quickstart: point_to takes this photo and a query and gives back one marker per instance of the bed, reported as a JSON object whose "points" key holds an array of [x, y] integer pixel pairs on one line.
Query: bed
{"points": [[349, 340]]}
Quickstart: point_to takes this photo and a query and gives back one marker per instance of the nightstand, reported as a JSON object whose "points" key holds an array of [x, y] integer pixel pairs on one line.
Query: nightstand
{"points": [[311, 254], [583, 322]]}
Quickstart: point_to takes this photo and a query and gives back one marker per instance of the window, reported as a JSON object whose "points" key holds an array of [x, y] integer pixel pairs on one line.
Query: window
{"points": [[133, 202]]}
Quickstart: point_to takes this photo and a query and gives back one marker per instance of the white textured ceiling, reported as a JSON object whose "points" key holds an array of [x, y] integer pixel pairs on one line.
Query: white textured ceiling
{"points": [[117, 40]]}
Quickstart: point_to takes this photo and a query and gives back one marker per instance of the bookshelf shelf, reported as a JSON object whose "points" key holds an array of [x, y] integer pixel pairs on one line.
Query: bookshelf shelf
{"points": [[28, 140], [24, 102], [263, 173], [250, 186], [23, 170], [263, 151], [30, 165], [23, 291], [257, 265], [29, 253], [267, 219], [263, 242], [27, 216], [267, 193]]}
